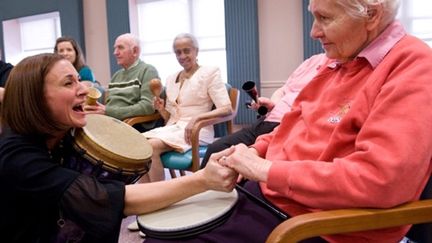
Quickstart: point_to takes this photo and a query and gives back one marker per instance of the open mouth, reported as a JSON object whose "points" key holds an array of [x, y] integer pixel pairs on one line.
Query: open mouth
{"points": [[78, 108]]}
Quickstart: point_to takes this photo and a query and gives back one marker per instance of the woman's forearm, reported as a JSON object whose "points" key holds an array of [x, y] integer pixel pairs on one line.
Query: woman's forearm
{"points": [[221, 111], [148, 197]]}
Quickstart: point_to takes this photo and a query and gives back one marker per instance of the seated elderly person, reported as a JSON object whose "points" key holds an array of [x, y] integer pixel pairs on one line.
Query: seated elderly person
{"points": [[358, 135], [191, 93], [281, 101], [128, 91]]}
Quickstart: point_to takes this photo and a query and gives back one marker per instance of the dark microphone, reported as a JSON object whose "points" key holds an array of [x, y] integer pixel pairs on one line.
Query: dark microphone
{"points": [[250, 89]]}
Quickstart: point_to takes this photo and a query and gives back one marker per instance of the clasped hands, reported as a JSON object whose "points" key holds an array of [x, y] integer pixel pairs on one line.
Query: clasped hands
{"points": [[244, 161]]}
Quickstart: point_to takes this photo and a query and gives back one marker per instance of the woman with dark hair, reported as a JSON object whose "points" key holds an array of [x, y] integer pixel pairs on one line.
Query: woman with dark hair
{"points": [[45, 202], [69, 49]]}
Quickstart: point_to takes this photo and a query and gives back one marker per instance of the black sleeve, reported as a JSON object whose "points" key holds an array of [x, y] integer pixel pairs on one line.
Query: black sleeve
{"points": [[5, 69], [36, 186], [96, 205], [30, 173]]}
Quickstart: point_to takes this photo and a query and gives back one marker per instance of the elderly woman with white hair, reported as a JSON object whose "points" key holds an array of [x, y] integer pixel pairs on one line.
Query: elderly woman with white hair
{"points": [[358, 135], [190, 95]]}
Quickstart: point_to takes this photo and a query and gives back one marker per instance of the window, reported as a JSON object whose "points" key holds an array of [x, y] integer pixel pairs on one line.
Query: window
{"points": [[30, 35], [159, 21], [416, 16]]}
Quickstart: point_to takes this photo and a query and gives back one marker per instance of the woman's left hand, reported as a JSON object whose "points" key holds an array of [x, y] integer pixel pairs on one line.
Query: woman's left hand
{"points": [[217, 176]]}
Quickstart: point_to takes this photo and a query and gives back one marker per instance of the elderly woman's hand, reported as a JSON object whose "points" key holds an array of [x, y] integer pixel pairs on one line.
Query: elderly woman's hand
{"points": [[158, 103], [247, 163], [263, 101], [217, 176]]}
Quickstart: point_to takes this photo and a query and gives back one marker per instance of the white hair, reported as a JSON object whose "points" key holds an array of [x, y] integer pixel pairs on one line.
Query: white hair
{"points": [[131, 39], [191, 37], [361, 8]]}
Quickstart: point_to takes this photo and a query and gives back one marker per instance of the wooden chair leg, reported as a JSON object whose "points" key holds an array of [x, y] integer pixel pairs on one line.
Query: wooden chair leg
{"points": [[172, 173], [182, 173]]}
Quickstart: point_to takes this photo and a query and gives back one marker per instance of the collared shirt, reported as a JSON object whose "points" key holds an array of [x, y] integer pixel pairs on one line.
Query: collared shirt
{"points": [[374, 53], [133, 64], [295, 83], [358, 135], [378, 48]]}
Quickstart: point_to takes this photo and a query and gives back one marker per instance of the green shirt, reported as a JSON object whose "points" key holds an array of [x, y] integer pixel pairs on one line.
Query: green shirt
{"points": [[128, 91]]}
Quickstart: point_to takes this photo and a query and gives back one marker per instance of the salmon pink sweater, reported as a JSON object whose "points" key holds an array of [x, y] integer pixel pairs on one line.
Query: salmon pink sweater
{"points": [[358, 135]]}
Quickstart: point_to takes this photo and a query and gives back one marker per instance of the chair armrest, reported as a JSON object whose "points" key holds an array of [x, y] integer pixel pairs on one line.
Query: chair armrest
{"points": [[350, 220], [195, 136], [140, 119]]}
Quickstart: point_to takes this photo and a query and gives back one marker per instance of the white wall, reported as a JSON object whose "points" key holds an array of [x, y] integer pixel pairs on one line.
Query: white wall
{"points": [[96, 39], [281, 41], [280, 30]]}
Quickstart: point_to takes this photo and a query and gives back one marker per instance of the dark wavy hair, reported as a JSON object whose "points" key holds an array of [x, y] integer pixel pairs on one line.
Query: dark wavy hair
{"points": [[79, 60], [24, 107]]}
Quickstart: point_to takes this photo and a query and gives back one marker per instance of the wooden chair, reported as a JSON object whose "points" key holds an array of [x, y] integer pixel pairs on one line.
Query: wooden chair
{"points": [[331, 222], [190, 160], [146, 118], [141, 119]]}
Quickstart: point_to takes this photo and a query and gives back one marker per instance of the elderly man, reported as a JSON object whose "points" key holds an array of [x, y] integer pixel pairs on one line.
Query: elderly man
{"points": [[128, 91]]}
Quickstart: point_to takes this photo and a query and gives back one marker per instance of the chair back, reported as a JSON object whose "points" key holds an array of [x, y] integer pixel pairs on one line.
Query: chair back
{"points": [[422, 232]]}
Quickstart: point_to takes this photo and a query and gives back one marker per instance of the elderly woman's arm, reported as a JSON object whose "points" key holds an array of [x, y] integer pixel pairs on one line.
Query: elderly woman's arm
{"points": [[217, 92], [221, 111]]}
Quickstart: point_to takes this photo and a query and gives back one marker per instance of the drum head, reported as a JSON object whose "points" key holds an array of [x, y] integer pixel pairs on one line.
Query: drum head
{"points": [[114, 142], [189, 217]]}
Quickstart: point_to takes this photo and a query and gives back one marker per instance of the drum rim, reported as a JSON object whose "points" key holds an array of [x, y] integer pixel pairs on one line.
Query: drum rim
{"points": [[83, 143], [99, 122], [191, 229], [184, 233]]}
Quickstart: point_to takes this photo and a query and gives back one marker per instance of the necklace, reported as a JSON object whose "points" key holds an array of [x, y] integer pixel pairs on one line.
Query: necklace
{"points": [[188, 74]]}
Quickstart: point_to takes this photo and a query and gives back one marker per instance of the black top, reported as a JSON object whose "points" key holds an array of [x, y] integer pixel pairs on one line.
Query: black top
{"points": [[5, 69], [35, 189]]}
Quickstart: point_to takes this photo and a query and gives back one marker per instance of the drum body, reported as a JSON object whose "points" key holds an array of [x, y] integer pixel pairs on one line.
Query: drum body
{"points": [[108, 148], [190, 217]]}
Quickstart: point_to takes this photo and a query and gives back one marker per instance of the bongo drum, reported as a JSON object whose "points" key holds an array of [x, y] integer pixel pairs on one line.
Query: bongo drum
{"points": [[109, 148], [187, 218]]}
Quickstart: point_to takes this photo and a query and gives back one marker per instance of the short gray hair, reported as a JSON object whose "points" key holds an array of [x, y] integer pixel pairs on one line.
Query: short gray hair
{"points": [[132, 40], [360, 8], [187, 36]]}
